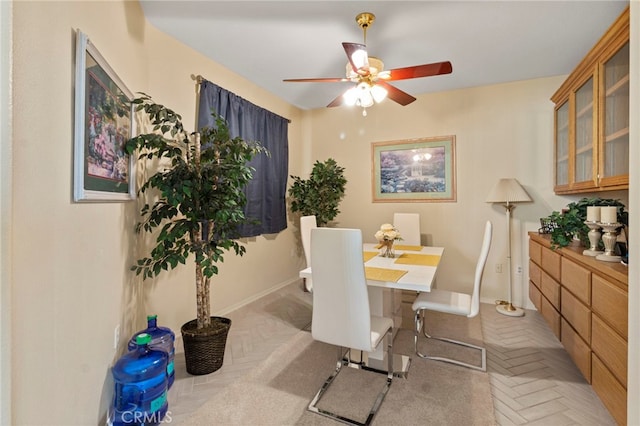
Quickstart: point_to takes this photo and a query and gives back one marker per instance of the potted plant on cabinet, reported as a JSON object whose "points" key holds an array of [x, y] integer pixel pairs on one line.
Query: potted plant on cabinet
{"points": [[197, 210], [321, 194], [570, 222]]}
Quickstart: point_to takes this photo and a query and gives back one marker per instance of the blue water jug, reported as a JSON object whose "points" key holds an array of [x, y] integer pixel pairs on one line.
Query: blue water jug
{"points": [[141, 383], [161, 338]]}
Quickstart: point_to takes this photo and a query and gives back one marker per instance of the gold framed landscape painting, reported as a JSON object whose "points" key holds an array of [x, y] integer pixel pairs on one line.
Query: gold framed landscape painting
{"points": [[414, 170], [103, 123]]}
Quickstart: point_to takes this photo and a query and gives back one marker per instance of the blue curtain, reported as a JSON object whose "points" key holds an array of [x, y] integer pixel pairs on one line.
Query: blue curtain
{"points": [[266, 191]]}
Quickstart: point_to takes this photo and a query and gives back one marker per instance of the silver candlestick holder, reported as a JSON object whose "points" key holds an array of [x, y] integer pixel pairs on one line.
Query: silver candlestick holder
{"points": [[594, 238], [609, 239]]}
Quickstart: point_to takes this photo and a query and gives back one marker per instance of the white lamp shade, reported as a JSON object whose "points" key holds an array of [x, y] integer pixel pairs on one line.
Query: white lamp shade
{"points": [[379, 93], [508, 190], [351, 96]]}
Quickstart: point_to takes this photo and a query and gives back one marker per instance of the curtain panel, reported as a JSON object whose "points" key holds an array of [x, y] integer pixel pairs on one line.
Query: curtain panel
{"points": [[266, 191]]}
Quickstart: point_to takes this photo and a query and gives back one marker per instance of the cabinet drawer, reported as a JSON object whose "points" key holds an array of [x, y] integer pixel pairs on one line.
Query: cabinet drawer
{"points": [[551, 289], [610, 303], [610, 348], [550, 262], [550, 315], [535, 295], [612, 394], [535, 273], [577, 314], [577, 280], [535, 252], [577, 349]]}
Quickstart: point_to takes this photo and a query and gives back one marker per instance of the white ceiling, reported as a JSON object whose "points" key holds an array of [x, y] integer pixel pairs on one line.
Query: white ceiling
{"points": [[486, 41]]}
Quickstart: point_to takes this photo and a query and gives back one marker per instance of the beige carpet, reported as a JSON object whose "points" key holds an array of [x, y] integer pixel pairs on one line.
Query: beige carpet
{"points": [[279, 389]]}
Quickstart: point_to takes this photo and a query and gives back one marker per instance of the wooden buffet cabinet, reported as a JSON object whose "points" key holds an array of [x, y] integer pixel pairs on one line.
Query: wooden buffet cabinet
{"points": [[592, 118], [585, 302]]}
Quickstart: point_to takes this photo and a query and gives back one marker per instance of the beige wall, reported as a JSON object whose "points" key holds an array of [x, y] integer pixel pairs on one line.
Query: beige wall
{"points": [[5, 213], [69, 279]]}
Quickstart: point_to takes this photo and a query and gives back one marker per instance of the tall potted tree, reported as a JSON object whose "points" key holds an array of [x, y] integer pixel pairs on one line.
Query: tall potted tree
{"points": [[196, 213]]}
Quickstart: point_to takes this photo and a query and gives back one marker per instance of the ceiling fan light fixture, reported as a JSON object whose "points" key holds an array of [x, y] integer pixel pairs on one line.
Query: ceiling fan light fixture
{"points": [[351, 96], [365, 99], [379, 93], [369, 77], [364, 95]]}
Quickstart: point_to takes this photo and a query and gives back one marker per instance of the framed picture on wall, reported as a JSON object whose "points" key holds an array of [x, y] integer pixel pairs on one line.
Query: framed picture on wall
{"points": [[103, 124], [414, 170]]}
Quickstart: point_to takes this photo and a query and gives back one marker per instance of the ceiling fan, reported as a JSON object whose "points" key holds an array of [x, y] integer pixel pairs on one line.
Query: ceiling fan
{"points": [[369, 76]]}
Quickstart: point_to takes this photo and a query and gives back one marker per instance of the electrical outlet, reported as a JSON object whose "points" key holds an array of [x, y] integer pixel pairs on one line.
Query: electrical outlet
{"points": [[116, 336], [499, 268], [519, 270]]}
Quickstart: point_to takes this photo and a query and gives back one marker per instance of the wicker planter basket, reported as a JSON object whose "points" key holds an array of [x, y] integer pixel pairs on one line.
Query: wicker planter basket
{"points": [[204, 349]]}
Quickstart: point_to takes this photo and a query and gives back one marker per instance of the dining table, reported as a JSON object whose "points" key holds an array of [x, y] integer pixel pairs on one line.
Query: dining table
{"points": [[412, 268]]}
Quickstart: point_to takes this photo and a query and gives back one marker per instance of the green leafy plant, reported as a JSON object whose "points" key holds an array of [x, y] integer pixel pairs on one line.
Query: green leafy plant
{"points": [[321, 194], [200, 199], [570, 222]]}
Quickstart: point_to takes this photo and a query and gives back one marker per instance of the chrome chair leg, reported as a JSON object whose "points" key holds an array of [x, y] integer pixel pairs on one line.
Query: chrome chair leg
{"points": [[420, 326], [342, 361]]}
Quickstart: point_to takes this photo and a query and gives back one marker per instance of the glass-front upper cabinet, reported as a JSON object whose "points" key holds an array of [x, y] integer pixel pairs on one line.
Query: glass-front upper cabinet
{"points": [[562, 145], [585, 135], [592, 118], [614, 163]]}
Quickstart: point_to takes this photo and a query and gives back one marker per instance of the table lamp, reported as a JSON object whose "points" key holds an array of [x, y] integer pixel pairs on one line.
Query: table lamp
{"points": [[507, 192]]}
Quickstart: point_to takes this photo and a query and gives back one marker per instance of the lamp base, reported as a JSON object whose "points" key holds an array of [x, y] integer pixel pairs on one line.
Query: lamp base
{"points": [[509, 310]]}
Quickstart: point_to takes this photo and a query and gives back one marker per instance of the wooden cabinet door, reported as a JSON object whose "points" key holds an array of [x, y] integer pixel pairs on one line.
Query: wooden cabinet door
{"points": [[562, 146], [614, 119], [583, 146]]}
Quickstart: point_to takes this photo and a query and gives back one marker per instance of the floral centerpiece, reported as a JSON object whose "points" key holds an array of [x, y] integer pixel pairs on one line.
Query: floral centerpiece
{"points": [[386, 237]]}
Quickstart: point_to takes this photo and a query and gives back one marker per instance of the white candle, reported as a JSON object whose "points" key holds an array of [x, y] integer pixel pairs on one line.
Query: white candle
{"points": [[593, 214], [608, 214]]}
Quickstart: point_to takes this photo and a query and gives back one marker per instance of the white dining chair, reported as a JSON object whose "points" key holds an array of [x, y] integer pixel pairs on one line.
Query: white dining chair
{"points": [[341, 314], [451, 302], [408, 224], [307, 223]]}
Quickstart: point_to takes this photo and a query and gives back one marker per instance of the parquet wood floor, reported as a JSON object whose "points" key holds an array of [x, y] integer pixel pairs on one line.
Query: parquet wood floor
{"points": [[533, 380]]}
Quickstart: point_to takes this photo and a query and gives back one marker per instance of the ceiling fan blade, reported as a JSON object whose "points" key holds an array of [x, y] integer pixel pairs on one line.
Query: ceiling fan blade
{"points": [[316, 80], [337, 101], [426, 70], [396, 95], [358, 57]]}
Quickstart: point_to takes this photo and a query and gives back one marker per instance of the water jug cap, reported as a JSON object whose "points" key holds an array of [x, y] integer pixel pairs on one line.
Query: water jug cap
{"points": [[150, 317], [143, 339]]}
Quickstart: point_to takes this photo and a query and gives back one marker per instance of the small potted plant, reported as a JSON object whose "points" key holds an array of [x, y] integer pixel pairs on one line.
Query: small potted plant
{"points": [[197, 211], [570, 223], [321, 194]]}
